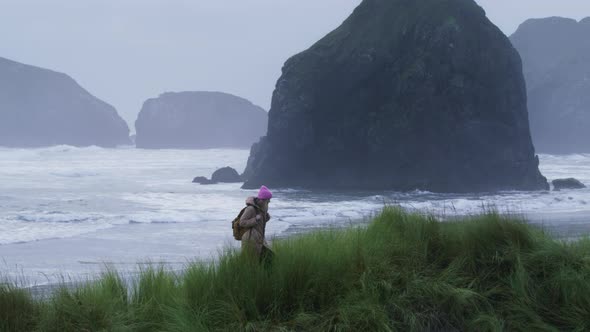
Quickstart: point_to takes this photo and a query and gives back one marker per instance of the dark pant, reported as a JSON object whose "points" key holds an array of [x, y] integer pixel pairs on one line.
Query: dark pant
{"points": [[266, 256]]}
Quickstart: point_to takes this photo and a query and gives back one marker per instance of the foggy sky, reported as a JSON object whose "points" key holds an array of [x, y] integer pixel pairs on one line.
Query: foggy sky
{"points": [[125, 51]]}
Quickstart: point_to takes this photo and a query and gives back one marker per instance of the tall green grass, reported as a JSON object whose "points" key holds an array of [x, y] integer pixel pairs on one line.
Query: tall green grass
{"points": [[404, 272], [18, 310]]}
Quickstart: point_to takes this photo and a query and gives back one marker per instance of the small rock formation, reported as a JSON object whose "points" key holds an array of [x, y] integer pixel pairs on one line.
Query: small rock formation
{"points": [[404, 95], [556, 59], [570, 183], [40, 107], [222, 175], [203, 180], [199, 120], [226, 175]]}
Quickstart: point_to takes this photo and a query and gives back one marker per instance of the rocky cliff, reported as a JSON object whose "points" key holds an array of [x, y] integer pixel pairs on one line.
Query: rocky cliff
{"points": [[40, 107], [197, 120], [404, 95], [556, 59]]}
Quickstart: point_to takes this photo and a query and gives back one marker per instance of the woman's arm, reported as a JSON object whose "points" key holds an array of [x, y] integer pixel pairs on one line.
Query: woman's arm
{"points": [[248, 219]]}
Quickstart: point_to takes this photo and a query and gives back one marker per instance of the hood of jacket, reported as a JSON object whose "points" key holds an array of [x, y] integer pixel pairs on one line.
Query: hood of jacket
{"points": [[251, 201]]}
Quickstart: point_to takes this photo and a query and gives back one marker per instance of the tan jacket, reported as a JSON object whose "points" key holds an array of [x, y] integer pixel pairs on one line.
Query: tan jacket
{"points": [[254, 236]]}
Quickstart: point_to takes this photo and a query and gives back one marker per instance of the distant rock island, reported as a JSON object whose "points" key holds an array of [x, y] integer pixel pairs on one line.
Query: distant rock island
{"points": [[199, 120], [40, 107], [404, 95], [556, 58]]}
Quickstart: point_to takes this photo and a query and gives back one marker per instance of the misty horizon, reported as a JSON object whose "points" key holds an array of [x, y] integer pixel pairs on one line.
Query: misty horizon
{"points": [[126, 53]]}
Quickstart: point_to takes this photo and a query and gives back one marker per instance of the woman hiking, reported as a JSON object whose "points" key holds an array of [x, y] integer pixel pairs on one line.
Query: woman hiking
{"points": [[254, 219]]}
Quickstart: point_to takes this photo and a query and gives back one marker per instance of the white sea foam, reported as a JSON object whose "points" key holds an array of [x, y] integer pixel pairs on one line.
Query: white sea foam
{"points": [[92, 189], [143, 204]]}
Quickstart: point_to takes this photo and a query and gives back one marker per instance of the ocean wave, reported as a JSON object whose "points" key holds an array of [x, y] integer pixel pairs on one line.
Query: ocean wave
{"points": [[68, 148], [17, 232], [75, 174], [578, 156], [61, 217], [92, 188], [164, 222], [52, 220]]}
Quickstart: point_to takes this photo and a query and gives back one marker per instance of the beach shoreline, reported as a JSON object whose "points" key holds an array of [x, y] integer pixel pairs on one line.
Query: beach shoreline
{"points": [[568, 227]]}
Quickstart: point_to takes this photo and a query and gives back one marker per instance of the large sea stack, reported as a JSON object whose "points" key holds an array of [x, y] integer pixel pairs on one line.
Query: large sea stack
{"points": [[556, 60], [404, 95], [199, 120], [40, 107]]}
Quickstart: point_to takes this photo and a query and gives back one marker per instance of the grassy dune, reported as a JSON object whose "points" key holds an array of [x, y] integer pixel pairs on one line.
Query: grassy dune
{"points": [[403, 272]]}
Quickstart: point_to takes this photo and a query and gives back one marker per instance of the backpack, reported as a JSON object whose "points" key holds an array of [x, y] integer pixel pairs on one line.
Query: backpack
{"points": [[235, 225]]}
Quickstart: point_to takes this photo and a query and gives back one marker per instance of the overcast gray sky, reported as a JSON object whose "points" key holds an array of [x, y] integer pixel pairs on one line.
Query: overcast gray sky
{"points": [[125, 51]]}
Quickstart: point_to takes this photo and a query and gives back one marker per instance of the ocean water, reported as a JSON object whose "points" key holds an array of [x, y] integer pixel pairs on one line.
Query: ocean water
{"points": [[66, 212]]}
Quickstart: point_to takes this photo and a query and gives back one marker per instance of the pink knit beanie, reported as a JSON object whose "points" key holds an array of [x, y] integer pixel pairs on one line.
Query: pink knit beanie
{"points": [[264, 193]]}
